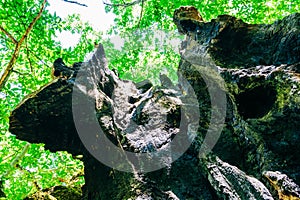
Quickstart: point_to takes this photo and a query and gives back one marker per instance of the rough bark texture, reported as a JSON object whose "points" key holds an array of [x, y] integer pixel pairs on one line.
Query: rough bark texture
{"points": [[257, 154]]}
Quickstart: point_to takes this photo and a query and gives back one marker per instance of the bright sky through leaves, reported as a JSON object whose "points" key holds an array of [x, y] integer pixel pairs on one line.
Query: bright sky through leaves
{"points": [[94, 14]]}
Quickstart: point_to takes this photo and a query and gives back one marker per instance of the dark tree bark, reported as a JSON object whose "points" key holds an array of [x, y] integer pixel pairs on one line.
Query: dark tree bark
{"points": [[235, 77]]}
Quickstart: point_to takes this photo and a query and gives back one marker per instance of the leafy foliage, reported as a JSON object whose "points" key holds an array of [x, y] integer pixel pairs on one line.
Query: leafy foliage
{"points": [[150, 47], [161, 12], [37, 169], [141, 23]]}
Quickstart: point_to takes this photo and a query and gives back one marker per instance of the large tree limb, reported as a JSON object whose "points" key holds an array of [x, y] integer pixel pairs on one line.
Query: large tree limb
{"points": [[15, 55]]}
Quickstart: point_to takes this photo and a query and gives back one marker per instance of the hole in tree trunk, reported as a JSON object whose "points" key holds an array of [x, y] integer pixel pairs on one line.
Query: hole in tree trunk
{"points": [[256, 102]]}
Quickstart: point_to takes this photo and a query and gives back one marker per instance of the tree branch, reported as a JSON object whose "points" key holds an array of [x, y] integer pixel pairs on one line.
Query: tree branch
{"points": [[22, 74], [124, 4], [28, 58], [17, 159], [15, 55], [37, 57], [75, 2], [8, 35], [141, 14]]}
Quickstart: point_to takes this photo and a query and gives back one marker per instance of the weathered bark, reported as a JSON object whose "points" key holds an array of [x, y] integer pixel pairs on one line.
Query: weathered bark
{"points": [[259, 65]]}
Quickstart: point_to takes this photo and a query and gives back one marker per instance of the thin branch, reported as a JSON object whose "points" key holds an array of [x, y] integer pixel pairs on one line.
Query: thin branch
{"points": [[141, 14], [15, 55], [17, 159], [124, 4], [20, 73], [8, 35], [32, 53], [75, 2], [30, 64]]}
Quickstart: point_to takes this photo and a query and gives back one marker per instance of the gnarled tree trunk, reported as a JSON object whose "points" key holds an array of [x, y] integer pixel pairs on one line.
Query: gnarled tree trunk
{"points": [[230, 129]]}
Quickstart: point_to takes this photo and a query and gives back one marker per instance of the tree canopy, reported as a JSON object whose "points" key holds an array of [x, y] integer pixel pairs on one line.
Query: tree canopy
{"points": [[28, 47]]}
